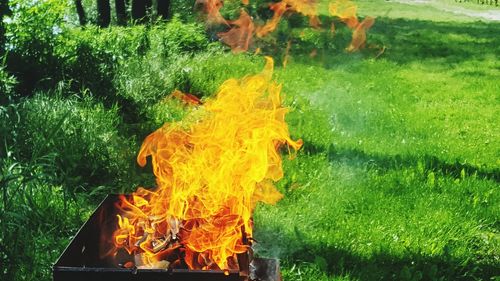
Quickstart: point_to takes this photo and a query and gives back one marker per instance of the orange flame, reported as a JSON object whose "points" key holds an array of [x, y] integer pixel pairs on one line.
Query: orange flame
{"points": [[211, 9], [346, 10], [287, 53], [240, 36], [188, 99], [359, 34], [279, 9], [210, 175], [307, 8]]}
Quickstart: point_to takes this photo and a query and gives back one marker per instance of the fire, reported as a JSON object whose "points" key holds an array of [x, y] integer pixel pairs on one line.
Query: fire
{"points": [[346, 10], [210, 175], [211, 9], [243, 29], [359, 34], [240, 36], [279, 9], [187, 99], [307, 8]]}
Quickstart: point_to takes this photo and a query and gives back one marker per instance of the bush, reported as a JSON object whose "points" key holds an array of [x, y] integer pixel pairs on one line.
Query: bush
{"points": [[184, 8], [165, 111], [142, 81], [7, 85], [32, 34], [82, 135], [90, 57], [177, 37]]}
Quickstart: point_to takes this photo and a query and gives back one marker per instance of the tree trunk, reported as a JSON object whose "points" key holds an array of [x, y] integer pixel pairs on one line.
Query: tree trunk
{"points": [[140, 9], [121, 12], [163, 9], [4, 10], [103, 13], [81, 12]]}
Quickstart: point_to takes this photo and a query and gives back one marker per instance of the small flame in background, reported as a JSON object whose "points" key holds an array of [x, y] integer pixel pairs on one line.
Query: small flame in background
{"points": [[242, 30], [211, 172], [210, 176]]}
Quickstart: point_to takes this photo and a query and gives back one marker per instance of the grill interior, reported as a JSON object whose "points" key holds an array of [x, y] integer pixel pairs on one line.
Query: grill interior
{"points": [[86, 258]]}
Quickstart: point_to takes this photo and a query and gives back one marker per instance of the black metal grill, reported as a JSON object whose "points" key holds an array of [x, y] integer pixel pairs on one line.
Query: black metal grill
{"points": [[86, 258]]}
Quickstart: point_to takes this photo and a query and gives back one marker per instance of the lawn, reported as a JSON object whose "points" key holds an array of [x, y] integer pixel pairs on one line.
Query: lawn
{"points": [[398, 178]]}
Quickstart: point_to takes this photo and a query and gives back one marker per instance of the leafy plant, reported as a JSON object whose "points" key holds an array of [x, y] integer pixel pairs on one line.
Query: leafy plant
{"points": [[33, 33], [82, 135]]}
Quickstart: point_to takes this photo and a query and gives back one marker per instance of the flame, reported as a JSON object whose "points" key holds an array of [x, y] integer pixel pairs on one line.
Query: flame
{"points": [[359, 34], [187, 99], [279, 9], [210, 175], [287, 53], [346, 10], [211, 9], [307, 8], [240, 36]]}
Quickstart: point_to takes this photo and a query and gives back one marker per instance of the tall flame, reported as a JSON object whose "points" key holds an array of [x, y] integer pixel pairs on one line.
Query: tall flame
{"points": [[210, 175]]}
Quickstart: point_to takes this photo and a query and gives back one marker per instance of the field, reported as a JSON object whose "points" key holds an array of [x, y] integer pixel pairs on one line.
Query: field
{"points": [[398, 178]]}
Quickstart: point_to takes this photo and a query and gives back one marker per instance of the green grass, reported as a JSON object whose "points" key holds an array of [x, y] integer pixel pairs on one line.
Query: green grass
{"points": [[434, 10], [398, 178]]}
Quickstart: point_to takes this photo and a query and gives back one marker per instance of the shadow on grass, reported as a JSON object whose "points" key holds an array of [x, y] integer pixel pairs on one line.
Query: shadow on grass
{"points": [[386, 163], [408, 40], [414, 40], [336, 261]]}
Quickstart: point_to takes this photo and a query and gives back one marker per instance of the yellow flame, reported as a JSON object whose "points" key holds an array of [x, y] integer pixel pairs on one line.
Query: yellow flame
{"points": [[210, 175]]}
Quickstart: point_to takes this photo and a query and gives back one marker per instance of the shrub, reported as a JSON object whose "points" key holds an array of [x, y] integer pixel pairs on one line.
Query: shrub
{"points": [[307, 39], [142, 81], [90, 57], [83, 136], [183, 8], [165, 111], [177, 37], [32, 33], [7, 85]]}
